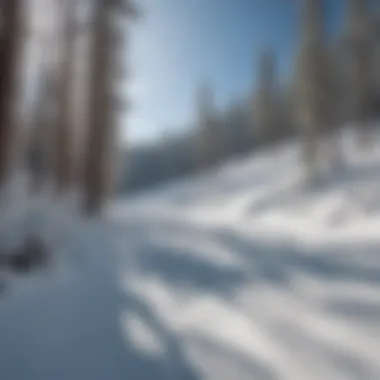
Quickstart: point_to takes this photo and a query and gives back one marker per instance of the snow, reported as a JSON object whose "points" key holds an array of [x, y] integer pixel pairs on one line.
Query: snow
{"points": [[240, 273]]}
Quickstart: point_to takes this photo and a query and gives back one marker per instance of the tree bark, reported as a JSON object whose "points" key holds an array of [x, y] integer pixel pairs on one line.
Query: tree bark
{"points": [[10, 39], [99, 131], [64, 133]]}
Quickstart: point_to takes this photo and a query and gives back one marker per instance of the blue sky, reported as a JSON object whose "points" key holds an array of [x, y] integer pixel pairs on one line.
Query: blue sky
{"points": [[180, 43]]}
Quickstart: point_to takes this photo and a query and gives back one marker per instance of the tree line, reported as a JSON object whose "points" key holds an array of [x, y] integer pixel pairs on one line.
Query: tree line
{"points": [[60, 66], [64, 133], [335, 81]]}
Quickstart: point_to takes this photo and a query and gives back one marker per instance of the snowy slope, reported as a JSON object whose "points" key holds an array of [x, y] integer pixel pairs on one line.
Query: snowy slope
{"points": [[242, 273]]}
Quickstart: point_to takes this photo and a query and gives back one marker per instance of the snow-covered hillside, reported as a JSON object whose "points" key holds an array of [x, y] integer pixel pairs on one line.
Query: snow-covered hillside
{"points": [[243, 273]]}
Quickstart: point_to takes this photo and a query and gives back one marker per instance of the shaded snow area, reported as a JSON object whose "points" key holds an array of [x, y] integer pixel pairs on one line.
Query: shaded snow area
{"points": [[243, 273]]}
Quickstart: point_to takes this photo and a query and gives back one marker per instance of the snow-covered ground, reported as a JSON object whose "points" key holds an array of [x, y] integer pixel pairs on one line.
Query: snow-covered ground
{"points": [[244, 273]]}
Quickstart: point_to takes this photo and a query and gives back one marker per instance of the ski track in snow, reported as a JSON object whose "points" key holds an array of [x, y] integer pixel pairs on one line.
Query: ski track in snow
{"points": [[244, 273]]}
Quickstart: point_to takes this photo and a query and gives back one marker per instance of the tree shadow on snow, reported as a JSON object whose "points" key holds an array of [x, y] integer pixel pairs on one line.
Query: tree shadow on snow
{"points": [[175, 364], [277, 263], [344, 177], [185, 269]]}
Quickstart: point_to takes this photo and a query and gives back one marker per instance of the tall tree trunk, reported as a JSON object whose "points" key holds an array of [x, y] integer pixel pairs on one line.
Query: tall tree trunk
{"points": [[96, 165], [265, 105], [101, 152], [209, 142], [312, 87], [38, 155], [361, 56], [10, 39], [64, 133]]}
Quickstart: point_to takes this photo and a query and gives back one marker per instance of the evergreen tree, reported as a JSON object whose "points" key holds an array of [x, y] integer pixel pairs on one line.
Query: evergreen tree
{"points": [[336, 104], [64, 133], [238, 128], [99, 167], [360, 53], [209, 140], [265, 110], [285, 112], [38, 155], [376, 63], [10, 42], [313, 86]]}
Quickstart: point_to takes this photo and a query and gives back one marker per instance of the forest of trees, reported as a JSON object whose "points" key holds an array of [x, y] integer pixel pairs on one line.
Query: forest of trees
{"points": [[335, 81], [66, 138], [60, 67], [62, 146]]}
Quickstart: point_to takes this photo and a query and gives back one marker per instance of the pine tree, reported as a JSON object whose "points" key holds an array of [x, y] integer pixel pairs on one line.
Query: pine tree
{"points": [[376, 63], [209, 135], [64, 132], [99, 164], [313, 86], [37, 154], [265, 104], [10, 42], [285, 112], [359, 46], [335, 97], [237, 128]]}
